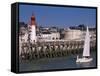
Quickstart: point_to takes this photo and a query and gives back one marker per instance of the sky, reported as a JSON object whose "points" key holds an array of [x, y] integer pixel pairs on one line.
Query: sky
{"points": [[58, 16]]}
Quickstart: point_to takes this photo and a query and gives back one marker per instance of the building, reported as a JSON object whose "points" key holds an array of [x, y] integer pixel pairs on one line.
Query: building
{"points": [[72, 34], [45, 36], [23, 34], [91, 33], [55, 36]]}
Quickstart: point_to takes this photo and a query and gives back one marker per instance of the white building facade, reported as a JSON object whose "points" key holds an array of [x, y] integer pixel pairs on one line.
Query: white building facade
{"points": [[49, 36], [72, 34]]}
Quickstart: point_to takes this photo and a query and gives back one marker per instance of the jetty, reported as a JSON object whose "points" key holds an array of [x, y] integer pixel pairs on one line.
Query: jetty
{"points": [[52, 48]]}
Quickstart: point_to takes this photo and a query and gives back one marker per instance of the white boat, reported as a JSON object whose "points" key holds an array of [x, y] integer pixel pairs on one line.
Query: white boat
{"points": [[86, 50]]}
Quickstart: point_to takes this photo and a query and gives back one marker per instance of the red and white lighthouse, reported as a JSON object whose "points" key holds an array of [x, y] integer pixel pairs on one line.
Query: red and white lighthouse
{"points": [[32, 30]]}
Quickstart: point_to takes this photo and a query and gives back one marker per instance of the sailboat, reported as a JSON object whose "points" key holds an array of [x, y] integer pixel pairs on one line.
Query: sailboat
{"points": [[86, 50]]}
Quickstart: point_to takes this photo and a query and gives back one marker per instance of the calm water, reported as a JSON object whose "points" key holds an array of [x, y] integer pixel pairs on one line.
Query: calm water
{"points": [[56, 63]]}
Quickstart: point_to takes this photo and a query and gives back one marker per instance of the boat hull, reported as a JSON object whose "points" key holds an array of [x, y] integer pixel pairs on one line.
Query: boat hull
{"points": [[83, 60]]}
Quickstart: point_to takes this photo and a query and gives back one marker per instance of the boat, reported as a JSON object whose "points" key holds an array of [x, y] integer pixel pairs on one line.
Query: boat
{"points": [[86, 50]]}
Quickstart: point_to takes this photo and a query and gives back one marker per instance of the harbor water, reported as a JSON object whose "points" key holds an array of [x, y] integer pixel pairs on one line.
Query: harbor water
{"points": [[66, 62]]}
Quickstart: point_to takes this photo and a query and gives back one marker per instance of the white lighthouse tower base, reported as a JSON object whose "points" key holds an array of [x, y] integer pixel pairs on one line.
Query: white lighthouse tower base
{"points": [[33, 38]]}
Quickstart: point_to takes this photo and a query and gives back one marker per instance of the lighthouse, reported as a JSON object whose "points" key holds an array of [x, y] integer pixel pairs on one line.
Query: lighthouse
{"points": [[32, 30]]}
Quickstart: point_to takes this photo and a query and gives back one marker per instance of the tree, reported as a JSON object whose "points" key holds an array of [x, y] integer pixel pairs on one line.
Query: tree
{"points": [[82, 27]]}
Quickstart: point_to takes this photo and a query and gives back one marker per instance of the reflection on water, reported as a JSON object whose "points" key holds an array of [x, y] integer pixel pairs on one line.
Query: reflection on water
{"points": [[56, 63]]}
